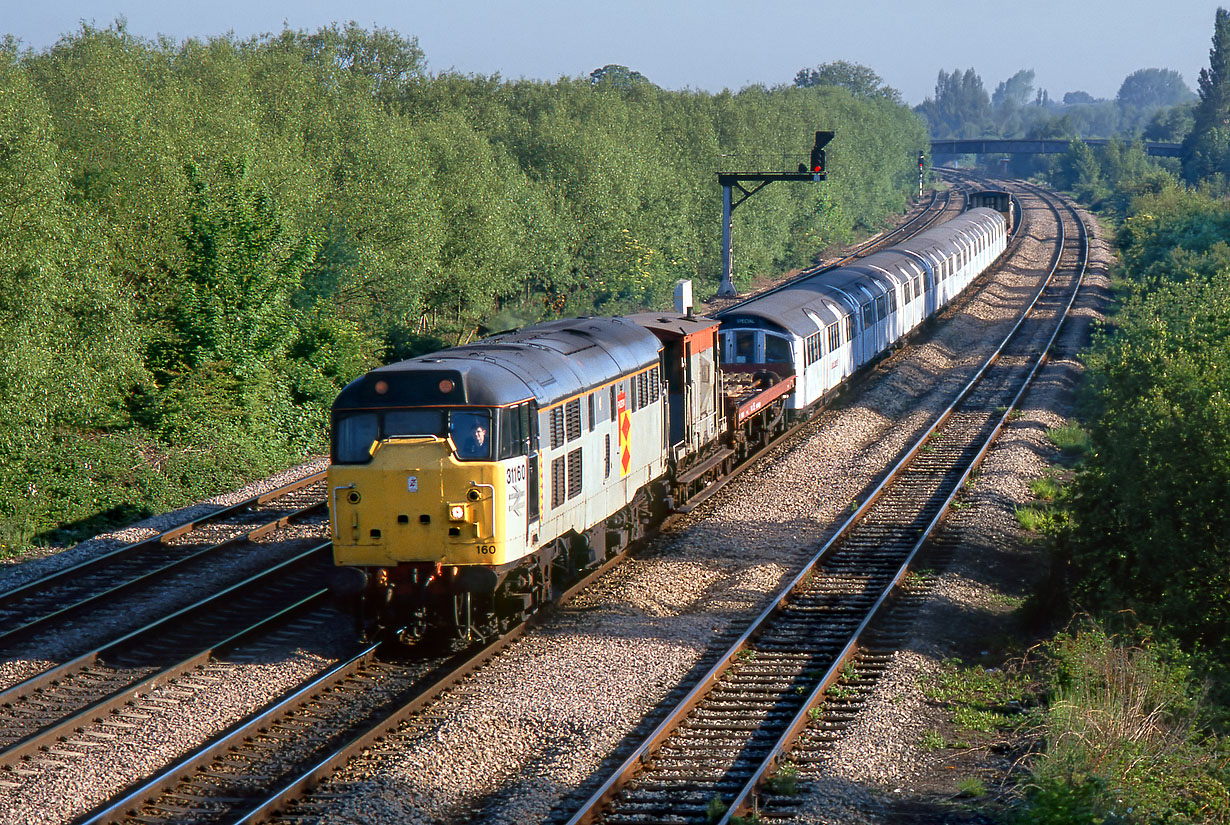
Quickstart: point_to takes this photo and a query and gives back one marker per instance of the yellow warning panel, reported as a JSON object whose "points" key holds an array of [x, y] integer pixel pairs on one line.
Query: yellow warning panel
{"points": [[625, 434]]}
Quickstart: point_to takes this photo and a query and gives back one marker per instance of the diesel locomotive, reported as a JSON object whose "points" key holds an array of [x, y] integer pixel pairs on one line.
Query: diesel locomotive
{"points": [[469, 487]]}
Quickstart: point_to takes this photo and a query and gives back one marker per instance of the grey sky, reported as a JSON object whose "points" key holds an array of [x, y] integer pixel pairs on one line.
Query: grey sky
{"points": [[711, 44]]}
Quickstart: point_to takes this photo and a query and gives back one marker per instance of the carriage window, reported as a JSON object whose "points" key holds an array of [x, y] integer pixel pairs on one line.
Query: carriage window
{"points": [[414, 422], [918, 286], [869, 315], [745, 347], [353, 437], [776, 349], [908, 291], [515, 431], [834, 337], [849, 327], [892, 300], [881, 307]]}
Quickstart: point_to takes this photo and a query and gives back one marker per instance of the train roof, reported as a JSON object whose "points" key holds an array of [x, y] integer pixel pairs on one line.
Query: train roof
{"points": [[796, 307], [547, 362]]}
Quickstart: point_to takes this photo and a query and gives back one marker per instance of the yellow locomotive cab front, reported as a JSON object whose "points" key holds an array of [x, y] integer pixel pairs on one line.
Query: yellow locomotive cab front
{"points": [[416, 502]]}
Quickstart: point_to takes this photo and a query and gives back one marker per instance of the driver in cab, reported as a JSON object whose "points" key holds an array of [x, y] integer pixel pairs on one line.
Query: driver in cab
{"points": [[470, 436]]}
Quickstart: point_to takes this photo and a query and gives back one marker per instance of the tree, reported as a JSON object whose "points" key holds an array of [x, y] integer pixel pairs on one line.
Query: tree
{"points": [[857, 79], [1171, 125], [1154, 88], [1074, 98], [1205, 150], [615, 76], [1010, 98], [960, 108], [1015, 91]]}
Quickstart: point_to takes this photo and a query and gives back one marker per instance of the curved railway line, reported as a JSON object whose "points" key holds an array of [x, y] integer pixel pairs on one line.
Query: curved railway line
{"points": [[278, 753], [735, 726]]}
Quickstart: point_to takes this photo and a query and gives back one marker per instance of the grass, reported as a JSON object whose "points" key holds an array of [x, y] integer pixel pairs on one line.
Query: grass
{"points": [[786, 781], [971, 787], [1071, 439], [932, 741], [1122, 739], [979, 700], [1039, 519], [1047, 487]]}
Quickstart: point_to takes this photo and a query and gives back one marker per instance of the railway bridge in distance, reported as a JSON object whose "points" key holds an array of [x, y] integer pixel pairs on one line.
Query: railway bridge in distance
{"points": [[987, 146]]}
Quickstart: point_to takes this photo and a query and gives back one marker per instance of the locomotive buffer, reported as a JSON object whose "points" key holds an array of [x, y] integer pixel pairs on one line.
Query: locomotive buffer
{"points": [[813, 171]]}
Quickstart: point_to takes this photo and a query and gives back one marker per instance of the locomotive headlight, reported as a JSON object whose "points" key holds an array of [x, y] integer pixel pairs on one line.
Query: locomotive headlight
{"points": [[457, 512]]}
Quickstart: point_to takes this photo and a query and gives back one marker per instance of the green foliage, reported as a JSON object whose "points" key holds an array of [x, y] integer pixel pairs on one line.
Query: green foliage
{"points": [[1122, 743], [971, 787], [1206, 151], [858, 80], [1154, 88], [203, 241], [1072, 439], [1150, 529], [786, 780], [960, 108]]}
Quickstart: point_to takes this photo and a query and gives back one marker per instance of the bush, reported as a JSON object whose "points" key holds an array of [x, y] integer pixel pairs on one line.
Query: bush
{"points": [[1123, 740]]}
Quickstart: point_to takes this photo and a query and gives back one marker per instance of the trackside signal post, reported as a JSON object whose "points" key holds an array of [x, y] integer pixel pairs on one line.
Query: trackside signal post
{"points": [[812, 171]]}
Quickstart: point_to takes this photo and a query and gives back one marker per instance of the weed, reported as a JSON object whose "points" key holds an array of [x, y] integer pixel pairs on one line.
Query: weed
{"points": [[971, 787], [979, 700], [1071, 439], [715, 809], [1046, 488], [1004, 599], [932, 741], [971, 718], [813, 714], [839, 692], [786, 781], [1040, 519]]}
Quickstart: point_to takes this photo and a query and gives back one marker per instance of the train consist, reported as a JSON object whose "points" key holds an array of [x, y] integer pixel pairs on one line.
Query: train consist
{"points": [[469, 487]]}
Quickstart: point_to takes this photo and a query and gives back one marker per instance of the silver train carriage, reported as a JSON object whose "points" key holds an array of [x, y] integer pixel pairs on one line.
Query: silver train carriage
{"points": [[821, 329]]}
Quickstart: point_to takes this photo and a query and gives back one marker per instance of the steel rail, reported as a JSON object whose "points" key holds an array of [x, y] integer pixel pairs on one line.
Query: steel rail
{"points": [[47, 680], [326, 763], [163, 537], [632, 765], [154, 575], [740, 803]]}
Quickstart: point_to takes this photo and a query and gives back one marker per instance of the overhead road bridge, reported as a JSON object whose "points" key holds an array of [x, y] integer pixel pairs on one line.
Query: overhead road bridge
{"points": [[981, 146]]}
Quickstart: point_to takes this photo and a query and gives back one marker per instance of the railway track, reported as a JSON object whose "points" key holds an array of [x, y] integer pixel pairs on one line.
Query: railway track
{"points": [[707, 757], [44, 711], [184, 553], [250, 793]]}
